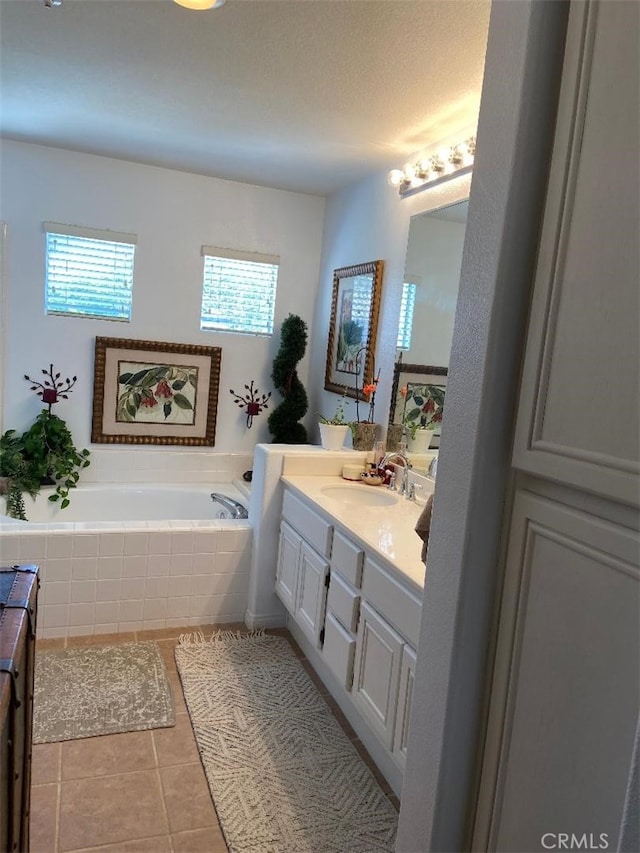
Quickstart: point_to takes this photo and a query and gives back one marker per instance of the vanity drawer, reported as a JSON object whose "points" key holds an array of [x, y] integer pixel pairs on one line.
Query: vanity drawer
{"points": [[313, 527], [400, 607], [347, 558], [344, 602], [338, 651]]}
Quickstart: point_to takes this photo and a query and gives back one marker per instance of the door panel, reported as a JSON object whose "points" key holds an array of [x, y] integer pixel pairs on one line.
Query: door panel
{"points": [[287, 568], [569, 636], [312, 592], [578, 418], [376, 672]]}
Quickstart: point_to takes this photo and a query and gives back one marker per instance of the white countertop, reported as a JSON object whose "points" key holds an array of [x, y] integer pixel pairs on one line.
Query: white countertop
{"points": [[386, 531]]}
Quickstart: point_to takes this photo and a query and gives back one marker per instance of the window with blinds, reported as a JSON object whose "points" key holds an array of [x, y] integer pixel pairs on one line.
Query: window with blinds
{"points": [[405, 325], [89, 272], [238, 291]]}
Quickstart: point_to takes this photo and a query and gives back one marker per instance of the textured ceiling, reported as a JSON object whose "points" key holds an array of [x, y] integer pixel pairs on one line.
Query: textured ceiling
{"points": [[306, 95]]}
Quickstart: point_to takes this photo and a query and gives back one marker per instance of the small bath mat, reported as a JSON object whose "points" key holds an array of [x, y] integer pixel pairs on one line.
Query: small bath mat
{"points": [[282, 773], [100, 690]]}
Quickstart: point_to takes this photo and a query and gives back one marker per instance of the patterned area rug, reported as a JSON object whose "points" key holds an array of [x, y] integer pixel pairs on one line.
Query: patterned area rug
{"points": [[100, 690], [283, 775]]}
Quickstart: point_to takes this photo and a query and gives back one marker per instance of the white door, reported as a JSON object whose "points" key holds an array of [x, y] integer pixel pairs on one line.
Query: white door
{"points": [[313, 574], [564, 701], [376, 672], [287, 567]]}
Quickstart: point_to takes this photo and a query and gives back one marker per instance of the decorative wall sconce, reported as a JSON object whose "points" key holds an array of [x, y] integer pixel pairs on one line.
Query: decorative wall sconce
{"points": [[252, 402], [428, 171]]}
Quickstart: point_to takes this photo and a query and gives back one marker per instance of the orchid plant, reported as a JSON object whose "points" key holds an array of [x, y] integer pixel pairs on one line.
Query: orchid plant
{"points": [[368, 390]]}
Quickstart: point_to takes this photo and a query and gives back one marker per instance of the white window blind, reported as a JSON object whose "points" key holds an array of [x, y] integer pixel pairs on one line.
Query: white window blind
{"points": [[89, 272], [407, 306], [238, 291]]}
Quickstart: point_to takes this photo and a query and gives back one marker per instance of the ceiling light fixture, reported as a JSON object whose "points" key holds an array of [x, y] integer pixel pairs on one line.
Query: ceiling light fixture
{"points": [[200, 4], [428, 171]]}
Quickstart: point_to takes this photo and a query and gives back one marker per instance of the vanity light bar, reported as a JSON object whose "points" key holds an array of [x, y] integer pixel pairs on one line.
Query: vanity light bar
{"points": [[441, 166]]}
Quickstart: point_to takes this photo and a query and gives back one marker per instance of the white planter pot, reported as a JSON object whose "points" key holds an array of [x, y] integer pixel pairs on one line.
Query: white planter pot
{"points": [[422, 440], [332, 436]]}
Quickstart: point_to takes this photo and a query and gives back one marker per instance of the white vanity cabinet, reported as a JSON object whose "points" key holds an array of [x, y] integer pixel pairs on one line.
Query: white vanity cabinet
{"points": [[362, 618], [385, 656], [302, 570], [343, 608]]}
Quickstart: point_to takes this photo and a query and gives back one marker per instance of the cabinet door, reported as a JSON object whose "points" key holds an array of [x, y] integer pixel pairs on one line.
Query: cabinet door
{"points": [[287, 568], [313, 572], [338, 649], [405, 696], [377, 670]]}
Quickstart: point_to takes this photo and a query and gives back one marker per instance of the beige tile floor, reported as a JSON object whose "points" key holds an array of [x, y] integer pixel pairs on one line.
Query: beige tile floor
{"points": [[139, 792]]}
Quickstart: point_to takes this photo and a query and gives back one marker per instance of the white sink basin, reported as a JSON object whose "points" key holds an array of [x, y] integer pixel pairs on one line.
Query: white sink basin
{"points": [[359, 495]]}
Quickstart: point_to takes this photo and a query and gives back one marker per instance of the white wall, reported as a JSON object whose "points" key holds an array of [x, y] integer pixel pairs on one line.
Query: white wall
{"points": [[434, 258], [365, 222], [173, 214]]}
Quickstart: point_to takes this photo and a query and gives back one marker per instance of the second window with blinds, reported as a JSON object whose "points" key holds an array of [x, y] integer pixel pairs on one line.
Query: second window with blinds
{"points": [[238, 291]]}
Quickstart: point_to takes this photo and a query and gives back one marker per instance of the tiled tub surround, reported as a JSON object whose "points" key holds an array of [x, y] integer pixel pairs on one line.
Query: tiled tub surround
{"points": [[133, 576], [105, 577]]}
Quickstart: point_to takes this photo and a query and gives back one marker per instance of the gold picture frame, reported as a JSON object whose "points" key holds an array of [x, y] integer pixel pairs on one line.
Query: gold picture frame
{"points": [[353, 327], [150, 392]]}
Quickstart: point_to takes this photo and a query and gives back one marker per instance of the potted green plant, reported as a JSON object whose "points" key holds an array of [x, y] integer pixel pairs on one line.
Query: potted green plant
{"points": [[42, 455], [333, 431]]}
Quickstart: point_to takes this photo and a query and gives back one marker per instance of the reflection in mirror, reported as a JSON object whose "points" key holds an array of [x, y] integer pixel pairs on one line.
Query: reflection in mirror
{"points": [[417, 404], [429, 297], [431, 279]]}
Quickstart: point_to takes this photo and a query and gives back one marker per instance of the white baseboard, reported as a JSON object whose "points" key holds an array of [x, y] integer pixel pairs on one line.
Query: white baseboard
{"points": [[264, 620]]}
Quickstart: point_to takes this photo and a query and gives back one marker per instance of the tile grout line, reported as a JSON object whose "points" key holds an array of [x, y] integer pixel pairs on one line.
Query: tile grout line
{"points": [[161, 787], [56, 840]]}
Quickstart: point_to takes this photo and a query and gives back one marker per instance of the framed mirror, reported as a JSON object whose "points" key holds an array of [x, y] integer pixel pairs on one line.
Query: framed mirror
{"points": [[353, 327]]}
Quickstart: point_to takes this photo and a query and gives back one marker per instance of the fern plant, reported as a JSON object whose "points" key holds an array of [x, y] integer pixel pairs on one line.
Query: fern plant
{"points": [[43, 455]]}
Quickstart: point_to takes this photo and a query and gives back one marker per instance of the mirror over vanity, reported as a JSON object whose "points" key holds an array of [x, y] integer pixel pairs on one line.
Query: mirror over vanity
{"points": [[429, 296]]}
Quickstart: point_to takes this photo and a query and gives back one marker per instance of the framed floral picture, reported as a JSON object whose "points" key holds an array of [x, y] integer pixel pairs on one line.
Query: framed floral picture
{"points": [[353, 327], [147, 392]]}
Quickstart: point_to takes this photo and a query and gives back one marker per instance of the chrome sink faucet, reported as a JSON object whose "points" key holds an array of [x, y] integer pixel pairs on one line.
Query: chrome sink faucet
{"points": [[401, 455]]}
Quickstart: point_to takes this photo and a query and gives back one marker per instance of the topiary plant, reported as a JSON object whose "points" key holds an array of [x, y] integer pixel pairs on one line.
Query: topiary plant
{"points": [[283, 421]]}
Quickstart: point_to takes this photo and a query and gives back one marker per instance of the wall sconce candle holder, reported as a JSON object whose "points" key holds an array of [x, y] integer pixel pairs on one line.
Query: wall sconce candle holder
{"points": [[434, 169], [252, 402]]}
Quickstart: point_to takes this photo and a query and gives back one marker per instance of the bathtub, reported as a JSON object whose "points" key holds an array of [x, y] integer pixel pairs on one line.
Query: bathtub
{"points": [[132, 502], [130, 557]]}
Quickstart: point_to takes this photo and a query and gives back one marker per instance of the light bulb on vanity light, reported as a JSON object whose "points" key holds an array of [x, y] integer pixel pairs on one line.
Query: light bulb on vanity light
{"points": [[395, 177], [200, 5]]}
